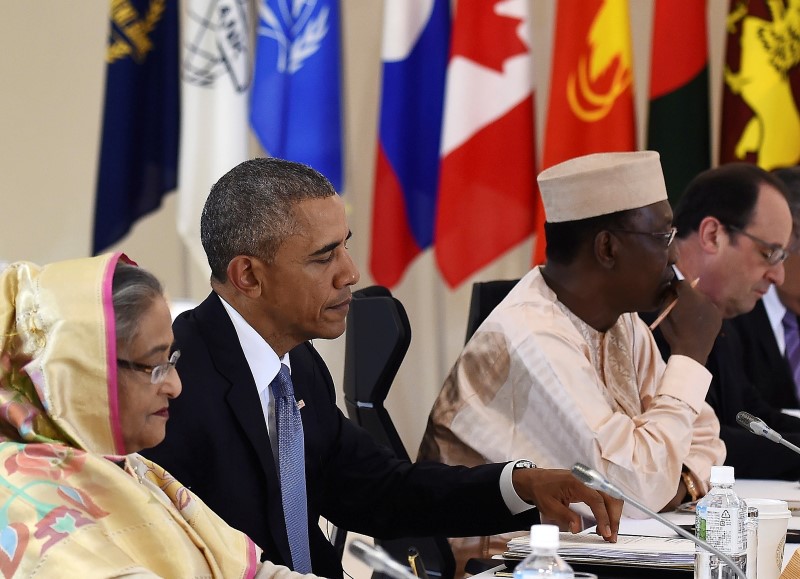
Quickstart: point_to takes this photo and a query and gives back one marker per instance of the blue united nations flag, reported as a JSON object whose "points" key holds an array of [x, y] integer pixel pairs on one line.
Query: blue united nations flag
{"points": [[141, 120], [295, 104]]}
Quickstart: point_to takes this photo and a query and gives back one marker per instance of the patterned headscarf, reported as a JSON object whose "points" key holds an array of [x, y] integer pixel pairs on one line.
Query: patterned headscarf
{"points": [[57, 355], [71, 505]]}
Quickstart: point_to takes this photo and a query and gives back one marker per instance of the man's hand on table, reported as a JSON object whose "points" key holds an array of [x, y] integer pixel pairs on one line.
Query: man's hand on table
{"points": [[553, 490]]}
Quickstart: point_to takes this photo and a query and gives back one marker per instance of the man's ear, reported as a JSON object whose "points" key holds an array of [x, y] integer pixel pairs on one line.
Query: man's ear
{"points": [[710, 233], [605, 249], [245, 274]]}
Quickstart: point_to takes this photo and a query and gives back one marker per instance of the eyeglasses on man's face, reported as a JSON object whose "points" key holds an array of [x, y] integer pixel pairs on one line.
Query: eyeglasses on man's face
{"points": [[666, 236], [157, 373], [772, 252]]}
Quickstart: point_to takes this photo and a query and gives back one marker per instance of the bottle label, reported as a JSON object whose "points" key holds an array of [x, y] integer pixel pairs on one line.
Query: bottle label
{"points": [[721, 528]]}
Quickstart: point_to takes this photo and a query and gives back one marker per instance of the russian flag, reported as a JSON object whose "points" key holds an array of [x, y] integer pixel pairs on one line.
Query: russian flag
{"points": [[414, 53]]}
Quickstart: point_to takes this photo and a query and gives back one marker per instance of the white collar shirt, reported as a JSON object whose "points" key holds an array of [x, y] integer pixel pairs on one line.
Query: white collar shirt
{"points": [[775, 312], [263, 362]]}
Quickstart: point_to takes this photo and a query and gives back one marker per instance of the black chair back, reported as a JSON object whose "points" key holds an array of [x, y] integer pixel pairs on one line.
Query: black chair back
{"points": [[485, 297], [377, 339]]}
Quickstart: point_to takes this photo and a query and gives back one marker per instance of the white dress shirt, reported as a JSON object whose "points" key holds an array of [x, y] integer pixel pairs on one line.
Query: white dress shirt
{"points": [[264, 366], [775, 312]]}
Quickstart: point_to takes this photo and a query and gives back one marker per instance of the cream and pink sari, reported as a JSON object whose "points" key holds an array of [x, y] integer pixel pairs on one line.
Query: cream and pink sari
{"points": [[72, 502]]}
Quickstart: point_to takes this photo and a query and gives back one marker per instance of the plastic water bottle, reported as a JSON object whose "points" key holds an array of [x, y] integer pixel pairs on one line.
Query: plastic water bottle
{"points": [[543, 560], [722, 523]]}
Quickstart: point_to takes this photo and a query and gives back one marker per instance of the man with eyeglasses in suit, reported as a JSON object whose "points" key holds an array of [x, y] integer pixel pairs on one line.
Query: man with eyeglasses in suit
{"points": [[734, 225], [770, 331]]}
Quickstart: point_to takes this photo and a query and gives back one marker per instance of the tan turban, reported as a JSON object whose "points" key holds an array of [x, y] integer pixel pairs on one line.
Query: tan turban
{"points": [[600, 184]]}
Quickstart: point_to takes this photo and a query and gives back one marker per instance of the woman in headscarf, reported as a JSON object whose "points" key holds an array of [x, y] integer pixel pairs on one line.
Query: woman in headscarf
{"points": [[86, 375]]}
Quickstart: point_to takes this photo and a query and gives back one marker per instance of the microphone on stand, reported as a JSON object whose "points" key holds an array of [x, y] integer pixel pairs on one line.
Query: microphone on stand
{"points": [[593, 479], [377, 558], [760, 428]]}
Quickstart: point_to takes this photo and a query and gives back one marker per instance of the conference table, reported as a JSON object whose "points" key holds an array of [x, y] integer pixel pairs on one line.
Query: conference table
{"points": [[788, 491]]}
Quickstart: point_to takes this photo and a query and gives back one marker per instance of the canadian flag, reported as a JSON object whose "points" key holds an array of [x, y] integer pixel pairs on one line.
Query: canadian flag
{"points": [[487, 189]]}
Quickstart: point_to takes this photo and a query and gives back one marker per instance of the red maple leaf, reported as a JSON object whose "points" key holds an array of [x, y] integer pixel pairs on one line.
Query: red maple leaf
{"points": [[484, 36]]}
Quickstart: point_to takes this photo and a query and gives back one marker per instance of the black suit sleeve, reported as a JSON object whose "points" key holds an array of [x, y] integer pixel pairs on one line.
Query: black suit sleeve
{"points": [[731, 391], [368, 490], [764, 363]]}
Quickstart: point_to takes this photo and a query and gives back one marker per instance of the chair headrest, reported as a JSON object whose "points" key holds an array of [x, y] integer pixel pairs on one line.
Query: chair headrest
{"points": [[371, 292]]}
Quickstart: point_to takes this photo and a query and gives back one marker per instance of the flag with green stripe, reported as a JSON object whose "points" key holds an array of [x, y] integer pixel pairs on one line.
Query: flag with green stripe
{"points": [[679, 126]]}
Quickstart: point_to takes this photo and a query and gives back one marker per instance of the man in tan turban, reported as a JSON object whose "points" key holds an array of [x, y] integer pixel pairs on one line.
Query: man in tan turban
{"points": [[562, 371]]}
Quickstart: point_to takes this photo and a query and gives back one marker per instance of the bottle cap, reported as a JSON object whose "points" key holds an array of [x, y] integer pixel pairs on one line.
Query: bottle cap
{"points": [[722, 475], [544, 537]]}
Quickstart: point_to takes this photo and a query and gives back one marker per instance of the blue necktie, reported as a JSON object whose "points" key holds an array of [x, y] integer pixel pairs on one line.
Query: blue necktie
{"points": [[292, 469], [792, 337]]}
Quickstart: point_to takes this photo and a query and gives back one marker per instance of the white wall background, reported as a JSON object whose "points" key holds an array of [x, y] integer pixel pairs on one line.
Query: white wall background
{"points": [[52, 74]]}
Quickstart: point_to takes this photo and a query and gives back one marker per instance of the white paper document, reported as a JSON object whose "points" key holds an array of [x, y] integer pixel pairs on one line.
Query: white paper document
{"points": [[664, 552]]}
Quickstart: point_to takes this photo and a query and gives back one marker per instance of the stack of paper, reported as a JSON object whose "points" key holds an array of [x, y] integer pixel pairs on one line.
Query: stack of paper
{"points": [[661, 552]]}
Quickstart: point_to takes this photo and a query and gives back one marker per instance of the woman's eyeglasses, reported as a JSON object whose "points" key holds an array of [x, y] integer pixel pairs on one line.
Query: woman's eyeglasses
{"points": [[157, 373]]}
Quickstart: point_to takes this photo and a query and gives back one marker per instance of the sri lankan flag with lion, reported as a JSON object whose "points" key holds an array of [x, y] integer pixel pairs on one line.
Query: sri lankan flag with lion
{"points": [[760, 118]]}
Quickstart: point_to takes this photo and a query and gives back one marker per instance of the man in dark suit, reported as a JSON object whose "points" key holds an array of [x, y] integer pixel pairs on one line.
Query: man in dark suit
{"points": [[764, 330], [764, 361], [275, 234], [734, 225]]}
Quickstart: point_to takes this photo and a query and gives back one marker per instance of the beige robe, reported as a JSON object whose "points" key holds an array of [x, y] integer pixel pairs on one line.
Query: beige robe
{"points": [[537, 382]]}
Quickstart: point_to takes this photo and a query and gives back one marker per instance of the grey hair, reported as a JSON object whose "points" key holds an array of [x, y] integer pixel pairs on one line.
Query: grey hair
{"points": [[249, 211], [132, 293]]}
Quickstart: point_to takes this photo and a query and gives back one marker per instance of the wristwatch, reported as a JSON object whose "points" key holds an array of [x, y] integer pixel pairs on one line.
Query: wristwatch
{"points": [[524, 464]]}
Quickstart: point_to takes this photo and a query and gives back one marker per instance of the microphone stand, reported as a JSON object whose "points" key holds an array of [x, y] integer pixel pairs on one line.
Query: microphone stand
{"points": [[760, 428], [789, 445], [595, 480]]}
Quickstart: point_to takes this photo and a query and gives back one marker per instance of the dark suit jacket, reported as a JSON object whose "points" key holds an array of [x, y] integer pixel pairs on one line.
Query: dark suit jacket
{"points": [[766, 367], [731, 392], [217, 444]]}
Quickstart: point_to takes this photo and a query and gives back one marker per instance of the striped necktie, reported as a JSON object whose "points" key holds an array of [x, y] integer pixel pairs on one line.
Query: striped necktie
{"points": [[792, 337], [291, 466]]}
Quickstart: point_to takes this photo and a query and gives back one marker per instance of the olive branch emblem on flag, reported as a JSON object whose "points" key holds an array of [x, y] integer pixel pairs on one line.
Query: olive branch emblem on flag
{"points": [[297, 30]]}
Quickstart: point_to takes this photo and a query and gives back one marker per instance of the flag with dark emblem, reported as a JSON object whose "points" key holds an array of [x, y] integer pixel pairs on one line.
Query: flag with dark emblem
{"points": [[761, 87], [141, 119], [679, 125]]}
